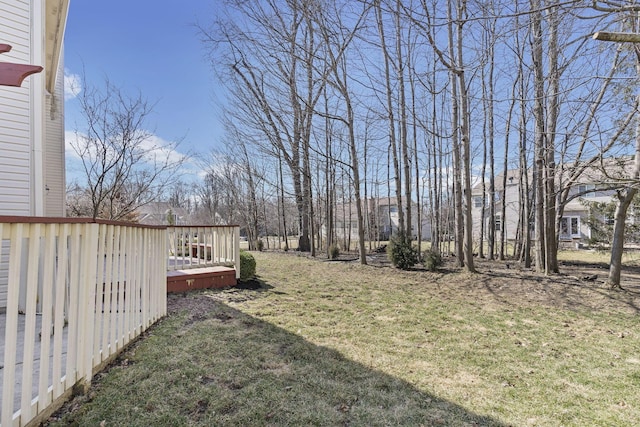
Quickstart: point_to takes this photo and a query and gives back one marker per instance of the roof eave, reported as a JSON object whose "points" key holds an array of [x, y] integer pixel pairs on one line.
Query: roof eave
{"points": [[55, 24]]}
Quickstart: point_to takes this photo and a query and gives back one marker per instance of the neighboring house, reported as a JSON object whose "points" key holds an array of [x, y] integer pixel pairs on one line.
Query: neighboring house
{"points": [[32, 167], [593, 186], [381, 219], [508, 195], [161, 213]]}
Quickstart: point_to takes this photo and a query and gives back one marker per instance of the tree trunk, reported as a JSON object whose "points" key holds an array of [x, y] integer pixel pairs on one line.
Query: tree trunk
{"points": [[393, 146], [466, 143], [457, 162], [625, 197], [539, 143], [617, 245]]}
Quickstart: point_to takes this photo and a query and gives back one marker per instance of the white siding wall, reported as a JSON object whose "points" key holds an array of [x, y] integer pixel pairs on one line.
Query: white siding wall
{"points": [[54, 172], [511, 198], [512, 217], [15, 131]]}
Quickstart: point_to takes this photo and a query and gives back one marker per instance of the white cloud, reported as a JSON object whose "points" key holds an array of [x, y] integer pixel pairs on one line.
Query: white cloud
{"points": [[154, 146], [70, 138], [72, 85], [157, 147]]}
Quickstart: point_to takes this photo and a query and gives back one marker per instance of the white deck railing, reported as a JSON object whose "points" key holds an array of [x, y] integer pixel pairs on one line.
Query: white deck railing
{"points": [[77, 292], [204, 246]]}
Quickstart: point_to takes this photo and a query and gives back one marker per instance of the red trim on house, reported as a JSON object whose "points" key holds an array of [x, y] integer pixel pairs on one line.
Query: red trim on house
{"points": [[13, 74]]}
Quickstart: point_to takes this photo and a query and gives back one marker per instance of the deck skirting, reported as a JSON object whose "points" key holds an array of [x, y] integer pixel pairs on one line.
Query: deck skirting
{"points": [[200, 278]]}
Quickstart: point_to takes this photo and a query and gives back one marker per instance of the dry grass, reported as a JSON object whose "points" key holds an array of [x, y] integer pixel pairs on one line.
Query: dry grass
{"points": [[629, 258], [337, 343]]}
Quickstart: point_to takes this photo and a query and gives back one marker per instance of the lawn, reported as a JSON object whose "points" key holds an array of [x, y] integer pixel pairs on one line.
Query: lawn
{"points": [[337, 343]]}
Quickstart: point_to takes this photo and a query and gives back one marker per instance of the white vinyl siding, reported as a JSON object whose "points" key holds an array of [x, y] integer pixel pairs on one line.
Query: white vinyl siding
{"points": [[15, 128], [54, 172]]}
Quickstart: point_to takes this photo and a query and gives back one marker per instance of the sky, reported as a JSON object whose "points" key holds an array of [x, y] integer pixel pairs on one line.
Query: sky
{"points": [[152, 47]]}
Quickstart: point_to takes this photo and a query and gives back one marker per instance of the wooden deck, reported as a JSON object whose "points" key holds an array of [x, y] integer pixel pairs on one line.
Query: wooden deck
{"points": [[48, 257], [177, 281], [200, 278], [17, 396]]}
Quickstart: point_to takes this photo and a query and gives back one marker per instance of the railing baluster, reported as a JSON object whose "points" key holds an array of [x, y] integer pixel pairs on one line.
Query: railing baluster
{"points": [[100, 289], [60, 295], [72, 307], [107, 289], [30, 319], [115, 285], [11, 326], [47, 307], [144, 288], [236, 243], [90, 286], [122, 281], [183, 245], [128, 284]]}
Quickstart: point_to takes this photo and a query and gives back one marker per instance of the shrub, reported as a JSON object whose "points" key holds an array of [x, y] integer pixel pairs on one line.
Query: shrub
{"points": [[401, 253], [334, 251], [432, 260], [259, 245], [247, 266]]}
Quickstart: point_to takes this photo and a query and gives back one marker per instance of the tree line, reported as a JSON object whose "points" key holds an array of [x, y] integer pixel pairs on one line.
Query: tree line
{"points": [[332, 103]]}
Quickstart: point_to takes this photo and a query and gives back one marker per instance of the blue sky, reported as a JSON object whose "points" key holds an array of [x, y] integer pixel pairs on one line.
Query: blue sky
{"points": [[151, 47]]}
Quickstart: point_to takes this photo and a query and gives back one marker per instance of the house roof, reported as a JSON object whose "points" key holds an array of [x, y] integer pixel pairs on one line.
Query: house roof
{"points": [[373, 204], [155, 212], [513, 177], [611, 169]]}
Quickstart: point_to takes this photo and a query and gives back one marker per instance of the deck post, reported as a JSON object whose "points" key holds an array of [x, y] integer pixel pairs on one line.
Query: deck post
{"points": [[236, 248]]}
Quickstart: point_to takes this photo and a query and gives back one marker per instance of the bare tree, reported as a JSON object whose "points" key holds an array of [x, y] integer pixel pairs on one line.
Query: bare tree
{"points": [[454, 60], [123, 165], [625, 194], [389, 89]]}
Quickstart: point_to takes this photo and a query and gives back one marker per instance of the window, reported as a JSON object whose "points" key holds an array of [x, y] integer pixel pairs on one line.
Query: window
{"points": [[497, 222], [477, 201], [586, 190], [393, 209], [570, 227], [635, 214]]}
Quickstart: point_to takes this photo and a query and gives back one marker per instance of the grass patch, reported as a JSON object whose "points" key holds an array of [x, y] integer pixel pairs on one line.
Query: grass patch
{"points": [[343, 344], [629, 257]]}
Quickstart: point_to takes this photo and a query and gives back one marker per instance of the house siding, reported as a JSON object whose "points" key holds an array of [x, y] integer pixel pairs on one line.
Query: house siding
{"points": [[54, 170], [15, 127], [16, 123], [512, 217]]}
